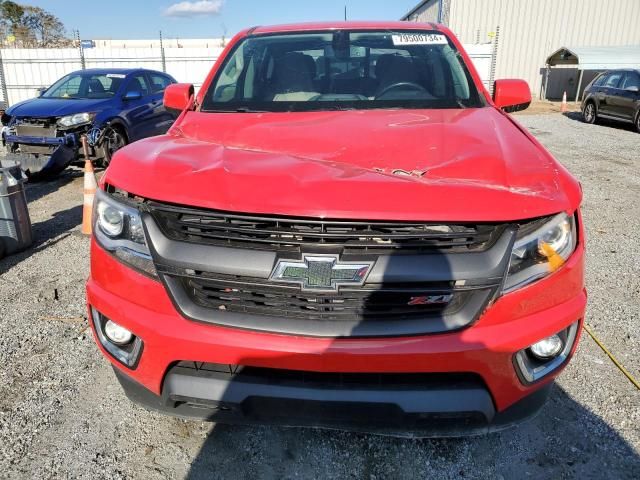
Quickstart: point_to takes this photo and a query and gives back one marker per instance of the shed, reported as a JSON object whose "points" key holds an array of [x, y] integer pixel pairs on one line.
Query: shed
{"points": [[592, 59]]}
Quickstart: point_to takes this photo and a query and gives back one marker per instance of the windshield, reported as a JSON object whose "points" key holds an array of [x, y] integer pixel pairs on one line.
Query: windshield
{"points": [[86, 86], [342, 70]]}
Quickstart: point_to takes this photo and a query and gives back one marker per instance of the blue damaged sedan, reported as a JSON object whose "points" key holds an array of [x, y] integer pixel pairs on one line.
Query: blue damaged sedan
{"points": [[113, 107]]}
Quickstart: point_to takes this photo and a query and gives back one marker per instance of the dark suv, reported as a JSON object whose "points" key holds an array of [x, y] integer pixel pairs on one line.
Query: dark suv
{"points": [[613, 95]]}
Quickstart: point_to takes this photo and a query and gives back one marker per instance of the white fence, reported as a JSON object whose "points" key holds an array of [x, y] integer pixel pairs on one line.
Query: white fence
{"points": [[27, 70]]}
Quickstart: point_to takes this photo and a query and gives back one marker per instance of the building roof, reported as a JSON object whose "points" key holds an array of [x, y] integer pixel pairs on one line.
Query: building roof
{"points": [[597, 58], [408, 15]]}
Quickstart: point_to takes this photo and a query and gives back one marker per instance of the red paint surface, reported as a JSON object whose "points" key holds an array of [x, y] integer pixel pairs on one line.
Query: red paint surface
{"points": [[341, 164], [467, 165], [178, 95], [513, 322], [511, 92]]}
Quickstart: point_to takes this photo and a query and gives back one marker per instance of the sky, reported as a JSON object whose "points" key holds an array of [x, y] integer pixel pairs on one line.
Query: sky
{"points": [[132, 19]]}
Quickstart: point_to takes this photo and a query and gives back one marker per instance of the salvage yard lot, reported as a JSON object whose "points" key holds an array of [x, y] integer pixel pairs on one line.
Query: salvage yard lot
{"points": [[63, 414]]}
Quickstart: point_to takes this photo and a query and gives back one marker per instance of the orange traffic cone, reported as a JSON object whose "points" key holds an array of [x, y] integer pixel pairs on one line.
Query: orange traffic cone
{"points": [[563, 105], [90, 186]]}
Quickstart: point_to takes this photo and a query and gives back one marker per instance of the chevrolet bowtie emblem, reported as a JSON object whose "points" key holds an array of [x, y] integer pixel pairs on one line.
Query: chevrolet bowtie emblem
{"points": [[321, 272]]}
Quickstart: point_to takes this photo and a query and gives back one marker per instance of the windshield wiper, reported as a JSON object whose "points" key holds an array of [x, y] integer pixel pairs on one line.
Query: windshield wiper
{"points": [[234, 110], [337, 108], [249, 110]]}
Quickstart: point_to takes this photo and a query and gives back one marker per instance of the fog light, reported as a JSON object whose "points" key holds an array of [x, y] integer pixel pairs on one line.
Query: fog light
{"points": [[117, 334], [119, 342], [547, 348], [545, 356]]}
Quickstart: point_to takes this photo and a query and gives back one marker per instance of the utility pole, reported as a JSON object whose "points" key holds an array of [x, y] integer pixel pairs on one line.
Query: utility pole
{"points": [[164, 60], [3, 85], [345, 13], [83, 64]]}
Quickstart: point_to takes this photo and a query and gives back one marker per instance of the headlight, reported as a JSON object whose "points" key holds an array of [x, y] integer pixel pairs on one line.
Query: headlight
{"points": [[118, 229], [110, 219], [540, 250], [76, 119]]}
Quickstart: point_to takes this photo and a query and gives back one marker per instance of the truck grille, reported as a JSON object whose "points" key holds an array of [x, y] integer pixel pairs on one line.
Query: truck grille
{"points": [[425, 278], [293, 234], [251, 296]]}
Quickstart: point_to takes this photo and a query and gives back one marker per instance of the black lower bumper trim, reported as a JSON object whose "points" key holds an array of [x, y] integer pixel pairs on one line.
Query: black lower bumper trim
{"points": [[433, 409]]}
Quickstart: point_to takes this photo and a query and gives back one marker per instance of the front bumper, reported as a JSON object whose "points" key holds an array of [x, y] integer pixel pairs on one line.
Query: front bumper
{"points": [[484, 350], [43, 155], [438, 407], [69, 139]]}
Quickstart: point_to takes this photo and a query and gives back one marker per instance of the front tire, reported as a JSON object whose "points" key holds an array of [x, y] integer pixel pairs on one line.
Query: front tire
{"points": [[589, 114], [115, 138], [638, 121]]}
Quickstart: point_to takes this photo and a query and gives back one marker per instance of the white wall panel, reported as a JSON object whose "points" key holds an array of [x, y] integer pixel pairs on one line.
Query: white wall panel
{"points": [[530, 30], [427, 12], [27, 70]]}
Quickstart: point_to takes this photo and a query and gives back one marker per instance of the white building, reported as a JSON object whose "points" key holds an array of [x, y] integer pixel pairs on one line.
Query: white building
{"points": [[528, 31]]}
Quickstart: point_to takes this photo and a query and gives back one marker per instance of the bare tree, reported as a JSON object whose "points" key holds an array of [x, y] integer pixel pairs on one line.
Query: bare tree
{"points": [[31, 26], [11, 12], [47, 29]]}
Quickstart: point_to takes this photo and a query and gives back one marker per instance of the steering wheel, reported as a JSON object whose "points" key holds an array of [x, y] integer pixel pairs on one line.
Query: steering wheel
{"points": [[401, 85]]}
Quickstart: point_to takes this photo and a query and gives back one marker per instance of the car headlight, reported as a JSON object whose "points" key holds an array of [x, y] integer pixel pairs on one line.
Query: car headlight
{"points": [[540, 249], [76, 119], [118, 229]]}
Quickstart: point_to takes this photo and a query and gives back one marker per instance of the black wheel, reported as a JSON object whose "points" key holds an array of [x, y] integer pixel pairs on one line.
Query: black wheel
{"points": [[114, 140], [638, 121], [589, 114]]}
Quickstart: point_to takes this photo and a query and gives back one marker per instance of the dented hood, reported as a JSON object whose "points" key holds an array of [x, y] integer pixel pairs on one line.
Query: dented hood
{"points": [[457, 165]]}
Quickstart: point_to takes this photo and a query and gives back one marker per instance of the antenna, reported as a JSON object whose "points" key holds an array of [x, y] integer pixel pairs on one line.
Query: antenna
{"points": [[345, 13]]}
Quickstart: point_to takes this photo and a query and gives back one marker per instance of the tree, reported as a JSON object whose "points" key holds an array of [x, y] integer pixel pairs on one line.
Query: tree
{"points": [[31, 26], [11, 12], [47, 29]]}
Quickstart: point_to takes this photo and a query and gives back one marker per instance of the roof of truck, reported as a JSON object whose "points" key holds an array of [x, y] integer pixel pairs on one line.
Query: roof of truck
{"points": [[314, 26]]}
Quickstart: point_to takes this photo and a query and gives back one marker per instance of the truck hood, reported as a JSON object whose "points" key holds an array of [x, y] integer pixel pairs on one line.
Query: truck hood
{"points": [[430, 165], [55, 107]]}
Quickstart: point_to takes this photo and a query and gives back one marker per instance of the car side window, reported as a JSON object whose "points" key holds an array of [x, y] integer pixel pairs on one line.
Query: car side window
{"points": [[600, 80], [631, 79], [612, 80], [68, 89], [159, 82], [139, 84]]}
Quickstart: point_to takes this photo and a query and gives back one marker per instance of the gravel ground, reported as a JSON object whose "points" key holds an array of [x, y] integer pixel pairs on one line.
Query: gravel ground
{"points": [[63, 415]]}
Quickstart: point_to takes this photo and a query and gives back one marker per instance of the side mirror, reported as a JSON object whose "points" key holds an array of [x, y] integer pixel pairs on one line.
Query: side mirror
{"points": [[177, 96], [132, 95], [41, 91], [633, 89], [511, 95]]}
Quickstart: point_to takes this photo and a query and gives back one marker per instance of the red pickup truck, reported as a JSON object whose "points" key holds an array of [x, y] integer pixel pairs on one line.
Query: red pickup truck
{"points": [[342, 229]]}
